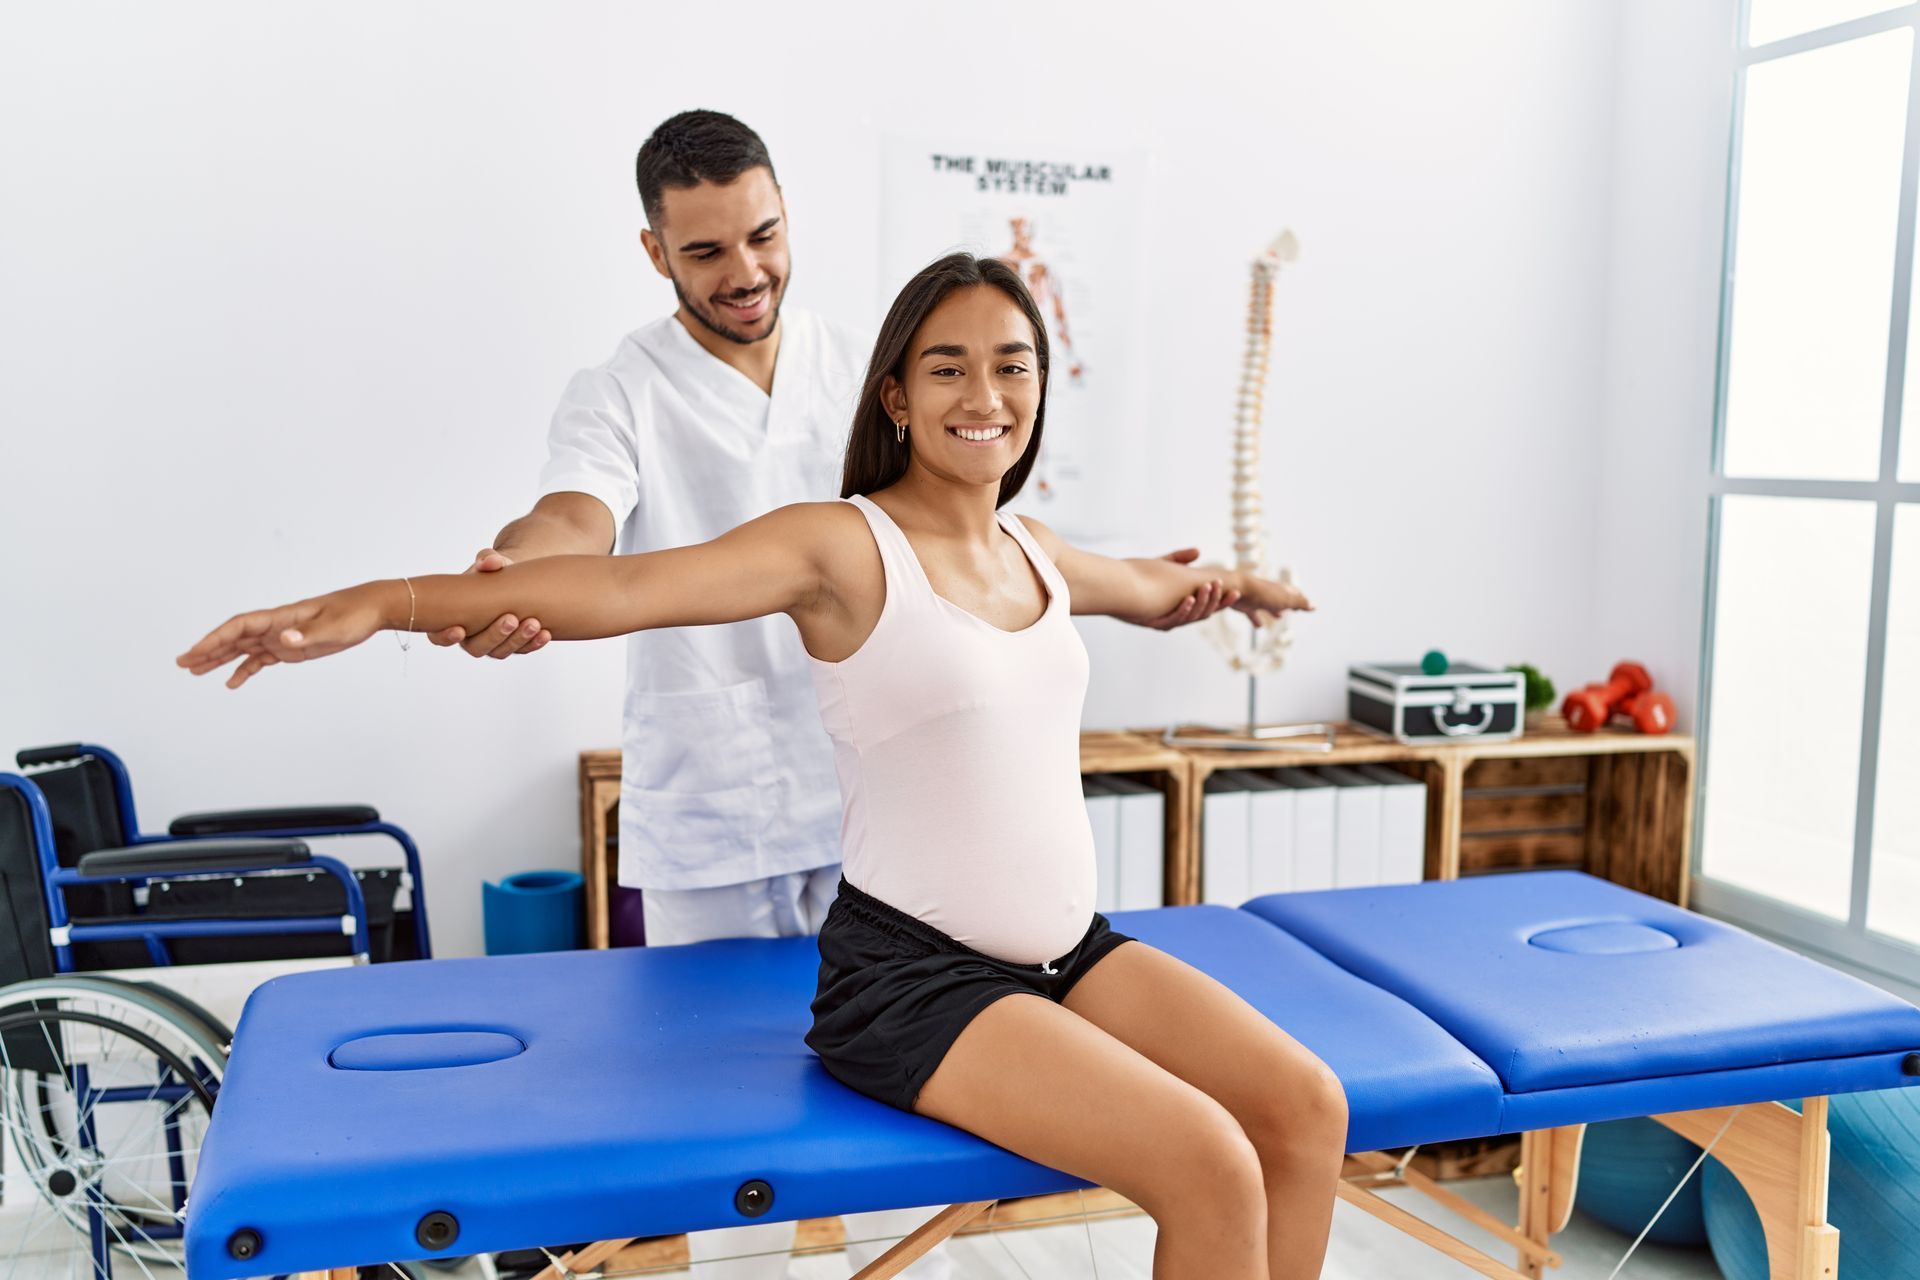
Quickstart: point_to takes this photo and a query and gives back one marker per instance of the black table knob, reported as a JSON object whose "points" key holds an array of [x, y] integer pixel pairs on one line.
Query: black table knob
{"points": [[753, 1198], [437, 1230]]}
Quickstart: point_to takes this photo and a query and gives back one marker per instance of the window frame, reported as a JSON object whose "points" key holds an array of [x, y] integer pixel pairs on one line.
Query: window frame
{"points": [[1877, 955]]}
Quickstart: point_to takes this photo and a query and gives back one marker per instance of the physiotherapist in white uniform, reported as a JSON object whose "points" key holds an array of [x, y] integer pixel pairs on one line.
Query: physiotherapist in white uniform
{"points": [[700, 421]]}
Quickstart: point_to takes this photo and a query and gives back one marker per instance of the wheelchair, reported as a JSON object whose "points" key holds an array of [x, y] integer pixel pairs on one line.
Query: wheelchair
{"points": [[108, 1081]]}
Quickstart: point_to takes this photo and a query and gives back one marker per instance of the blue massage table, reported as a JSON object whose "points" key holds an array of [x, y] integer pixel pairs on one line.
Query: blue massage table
{"points": [[451, 1107]]}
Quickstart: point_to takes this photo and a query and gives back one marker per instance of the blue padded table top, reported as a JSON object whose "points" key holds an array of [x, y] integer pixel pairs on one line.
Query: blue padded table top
{"points": [[580, 1096], [585, 1095], [1564, 980], [1407, 1081]]}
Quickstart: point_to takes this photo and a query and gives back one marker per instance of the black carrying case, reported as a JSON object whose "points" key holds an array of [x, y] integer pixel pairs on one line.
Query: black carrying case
{"points": [[1399, 700]]}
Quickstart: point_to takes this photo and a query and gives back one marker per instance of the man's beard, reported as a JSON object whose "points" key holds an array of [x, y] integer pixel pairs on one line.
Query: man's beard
{"points": [[713, 325]]}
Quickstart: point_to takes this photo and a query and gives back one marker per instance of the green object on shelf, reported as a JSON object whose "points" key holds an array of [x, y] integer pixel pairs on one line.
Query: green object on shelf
{"points": [[1434, 663], [1539, 688]]}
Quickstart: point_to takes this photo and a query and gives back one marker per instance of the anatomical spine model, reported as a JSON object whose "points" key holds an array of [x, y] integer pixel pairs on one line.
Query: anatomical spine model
{"points": [[1263, 651]]}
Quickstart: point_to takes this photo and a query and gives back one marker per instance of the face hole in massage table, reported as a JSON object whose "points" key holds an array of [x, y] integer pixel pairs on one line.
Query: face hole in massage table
{"points": [[423, 1050], [1614, 938]]}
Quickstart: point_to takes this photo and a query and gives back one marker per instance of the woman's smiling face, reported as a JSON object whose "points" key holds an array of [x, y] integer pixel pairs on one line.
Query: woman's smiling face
{"points": [[972, 386]]}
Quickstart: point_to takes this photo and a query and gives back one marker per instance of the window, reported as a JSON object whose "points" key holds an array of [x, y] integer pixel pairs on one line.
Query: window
{"points": [[1810, 710]]}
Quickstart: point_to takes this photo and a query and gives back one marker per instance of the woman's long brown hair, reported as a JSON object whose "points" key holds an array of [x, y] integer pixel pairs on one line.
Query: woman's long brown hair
{"points": [[875, 458]]}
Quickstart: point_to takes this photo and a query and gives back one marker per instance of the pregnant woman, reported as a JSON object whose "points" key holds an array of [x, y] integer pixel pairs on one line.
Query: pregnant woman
{"points": [[964, 973]]}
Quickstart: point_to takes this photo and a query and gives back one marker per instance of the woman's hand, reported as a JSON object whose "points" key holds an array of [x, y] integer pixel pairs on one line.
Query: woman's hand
{"points": [[1264, 599], [291, 633]]}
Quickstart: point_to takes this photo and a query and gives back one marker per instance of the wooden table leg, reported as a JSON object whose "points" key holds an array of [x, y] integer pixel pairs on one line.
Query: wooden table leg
{"points": [[586, 1258], [1448, 814], [930, 1233], [1780, 1157]]}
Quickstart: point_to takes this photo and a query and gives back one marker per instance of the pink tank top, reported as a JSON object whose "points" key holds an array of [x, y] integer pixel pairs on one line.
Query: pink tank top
{"points": [[958, 748]]}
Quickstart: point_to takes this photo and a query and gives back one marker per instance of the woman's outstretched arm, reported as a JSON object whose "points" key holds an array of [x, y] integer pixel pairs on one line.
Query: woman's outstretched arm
{"points": [[769, 565], [1135, 589]]}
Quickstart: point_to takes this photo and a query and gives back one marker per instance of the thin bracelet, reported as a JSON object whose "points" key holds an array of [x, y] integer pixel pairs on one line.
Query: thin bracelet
{"points": [[408, 633]]}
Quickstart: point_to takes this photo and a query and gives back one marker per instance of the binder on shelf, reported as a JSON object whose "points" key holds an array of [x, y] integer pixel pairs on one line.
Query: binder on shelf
{"points": [[1313, 820], [1223, 839], [1356, 827], [1103, 813], [1269, 834], [1403, 824], [1143, 832]]}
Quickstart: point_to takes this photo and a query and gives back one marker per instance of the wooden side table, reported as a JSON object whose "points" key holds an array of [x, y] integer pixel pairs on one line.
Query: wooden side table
{"points": [[599, 829]]}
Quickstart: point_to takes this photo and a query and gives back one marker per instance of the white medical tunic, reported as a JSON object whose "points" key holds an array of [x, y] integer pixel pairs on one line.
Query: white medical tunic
{"points": [[727, 774]]}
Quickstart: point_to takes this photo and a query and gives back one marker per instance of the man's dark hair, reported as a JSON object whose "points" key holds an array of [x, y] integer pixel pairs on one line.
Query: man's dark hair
{"points": [[695, 147]]}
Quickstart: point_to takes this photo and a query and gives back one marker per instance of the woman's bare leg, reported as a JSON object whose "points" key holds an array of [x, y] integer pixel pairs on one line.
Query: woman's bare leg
{"points": [[1285, 1099], [1049, 1085]]}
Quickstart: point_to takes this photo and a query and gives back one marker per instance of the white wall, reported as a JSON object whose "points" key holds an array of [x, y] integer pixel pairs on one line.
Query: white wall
{"points": [[286, 297], [1669, 196]]}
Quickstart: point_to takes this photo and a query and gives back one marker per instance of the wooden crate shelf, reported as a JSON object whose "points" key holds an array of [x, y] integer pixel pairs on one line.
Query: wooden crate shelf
{"points": [[1616, 803], [599, 838], [1143, 756]]}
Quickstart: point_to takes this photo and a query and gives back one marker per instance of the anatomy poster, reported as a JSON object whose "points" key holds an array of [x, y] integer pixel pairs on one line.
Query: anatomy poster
{"points": [[1070, 222]]}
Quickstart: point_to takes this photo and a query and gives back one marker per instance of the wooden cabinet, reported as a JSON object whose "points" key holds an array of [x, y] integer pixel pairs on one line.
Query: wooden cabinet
{"points": [[1616, 803]]}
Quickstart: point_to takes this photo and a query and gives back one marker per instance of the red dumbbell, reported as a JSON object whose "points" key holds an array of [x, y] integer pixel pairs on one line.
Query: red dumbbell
{"points": [[1651, 711], [1589, 708]]}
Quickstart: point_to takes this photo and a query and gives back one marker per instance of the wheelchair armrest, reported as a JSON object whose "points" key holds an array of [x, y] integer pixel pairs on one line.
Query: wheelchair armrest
{"points": [[294, 818], [190, 856], [48, 755]]}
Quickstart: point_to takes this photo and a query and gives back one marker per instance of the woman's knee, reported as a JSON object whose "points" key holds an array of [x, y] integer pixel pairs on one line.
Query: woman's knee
{"points": [[1208, 1163], [1303, 1116]]}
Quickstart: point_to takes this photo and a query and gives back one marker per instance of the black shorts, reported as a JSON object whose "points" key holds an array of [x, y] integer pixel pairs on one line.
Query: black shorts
{"points": [[895, 993]]}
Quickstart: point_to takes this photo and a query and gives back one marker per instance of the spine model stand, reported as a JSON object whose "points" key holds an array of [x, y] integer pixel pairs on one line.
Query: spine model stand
{"points": [[1255, 651]]}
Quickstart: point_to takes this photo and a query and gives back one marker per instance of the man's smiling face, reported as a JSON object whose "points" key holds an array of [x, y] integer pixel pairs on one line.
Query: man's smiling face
{"points": [[724, 246]]}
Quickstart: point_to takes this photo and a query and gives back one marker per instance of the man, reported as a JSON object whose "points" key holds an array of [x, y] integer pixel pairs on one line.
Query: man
{"points": [[700, 421]]}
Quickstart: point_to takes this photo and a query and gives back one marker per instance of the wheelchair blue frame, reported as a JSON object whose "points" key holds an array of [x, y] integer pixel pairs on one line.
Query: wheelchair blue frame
{"points": [[63, 933], [123, 793]]}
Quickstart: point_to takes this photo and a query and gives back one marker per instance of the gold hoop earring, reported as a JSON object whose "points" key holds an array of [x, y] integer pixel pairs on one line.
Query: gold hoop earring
{"points": [[900, 431]]}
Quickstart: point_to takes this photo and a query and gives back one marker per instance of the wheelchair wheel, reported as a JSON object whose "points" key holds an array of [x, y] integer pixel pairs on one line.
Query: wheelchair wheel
{"points": [[106, 1088], [216, 1031]]}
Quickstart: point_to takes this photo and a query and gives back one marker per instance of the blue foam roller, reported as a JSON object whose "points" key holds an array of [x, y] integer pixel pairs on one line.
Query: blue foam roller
{"points": [[534, 911], [1873, 1193]]}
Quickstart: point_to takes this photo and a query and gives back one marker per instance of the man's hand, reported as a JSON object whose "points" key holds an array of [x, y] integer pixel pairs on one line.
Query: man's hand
{"points": [[1204, 603], [506, 635]]}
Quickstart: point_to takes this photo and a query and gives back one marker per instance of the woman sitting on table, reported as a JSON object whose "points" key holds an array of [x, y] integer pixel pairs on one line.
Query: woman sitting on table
{"points": [[964, 973]]}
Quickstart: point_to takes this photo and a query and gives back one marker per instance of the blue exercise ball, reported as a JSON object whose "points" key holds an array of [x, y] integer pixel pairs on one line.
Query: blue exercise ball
{"points": [[1627, 1167], [1873, 1193], [1733, 1225]]}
